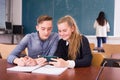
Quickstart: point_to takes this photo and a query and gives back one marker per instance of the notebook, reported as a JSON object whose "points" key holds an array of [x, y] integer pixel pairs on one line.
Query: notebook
{"points": [[47, 69]]}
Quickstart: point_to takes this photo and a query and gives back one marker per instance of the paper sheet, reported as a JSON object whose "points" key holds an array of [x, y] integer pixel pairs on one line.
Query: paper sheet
{"points": [[48, 69], [23, 68]]}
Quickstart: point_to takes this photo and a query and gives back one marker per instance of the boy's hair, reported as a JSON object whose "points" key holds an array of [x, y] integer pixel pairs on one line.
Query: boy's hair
{"points": [[42, 18]]}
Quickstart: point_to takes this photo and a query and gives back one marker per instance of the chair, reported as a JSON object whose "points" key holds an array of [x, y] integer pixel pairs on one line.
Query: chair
{"points": [[97, 59], [0, 56], [8, 27], [92, 46], [17, 29], [111, 48], [5, 50]]}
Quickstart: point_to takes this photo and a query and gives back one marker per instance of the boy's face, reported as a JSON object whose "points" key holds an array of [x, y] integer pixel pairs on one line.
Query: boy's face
{"points": [[44, 29]]}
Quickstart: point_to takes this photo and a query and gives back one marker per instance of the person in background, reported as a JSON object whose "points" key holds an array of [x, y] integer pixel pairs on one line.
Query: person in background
{"points": [[102, 27], [73, 48], [41, 43]]}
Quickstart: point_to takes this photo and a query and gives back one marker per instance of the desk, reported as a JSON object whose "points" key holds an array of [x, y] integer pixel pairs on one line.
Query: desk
{"points": [[110, 73], [86, 73], [6, 38], [102, 53], [11, 38]]}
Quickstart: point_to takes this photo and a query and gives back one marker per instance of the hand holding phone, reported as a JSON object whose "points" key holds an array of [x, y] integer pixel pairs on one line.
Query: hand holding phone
{"points": [[50, 57]]}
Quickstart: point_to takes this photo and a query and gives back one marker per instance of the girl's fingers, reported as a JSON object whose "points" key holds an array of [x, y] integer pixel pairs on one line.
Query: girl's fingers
{"points": [[54, 60]]}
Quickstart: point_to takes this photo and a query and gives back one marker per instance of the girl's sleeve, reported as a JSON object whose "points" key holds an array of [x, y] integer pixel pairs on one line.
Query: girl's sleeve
{"points": [[108, 27], [95, 24]]}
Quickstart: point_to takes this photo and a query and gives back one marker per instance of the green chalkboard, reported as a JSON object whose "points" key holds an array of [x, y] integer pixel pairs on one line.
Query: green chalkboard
{"points": [[84, 11]]}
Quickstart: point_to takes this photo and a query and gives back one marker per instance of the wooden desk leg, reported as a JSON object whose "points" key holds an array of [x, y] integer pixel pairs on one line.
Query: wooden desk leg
{"points": [[12, 39]]}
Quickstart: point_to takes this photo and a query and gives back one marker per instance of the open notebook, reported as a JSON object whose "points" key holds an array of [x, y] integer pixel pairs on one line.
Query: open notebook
{"points": [[47, 69]]}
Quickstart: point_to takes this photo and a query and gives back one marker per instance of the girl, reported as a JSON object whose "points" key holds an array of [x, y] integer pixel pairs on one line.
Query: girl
{"points": [[102, 27], [73, 48]]}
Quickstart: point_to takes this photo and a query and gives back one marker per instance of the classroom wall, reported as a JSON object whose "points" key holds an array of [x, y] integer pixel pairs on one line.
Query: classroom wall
{"points": [[115, 38]]}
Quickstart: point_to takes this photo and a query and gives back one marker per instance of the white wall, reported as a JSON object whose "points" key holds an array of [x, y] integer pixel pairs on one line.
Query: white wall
{"points": [[16, 15], [17, 19], [110, 39], [117, 18]]}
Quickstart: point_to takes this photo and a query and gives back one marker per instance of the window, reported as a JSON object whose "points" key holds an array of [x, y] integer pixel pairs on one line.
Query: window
{"points": [[4, 12]]}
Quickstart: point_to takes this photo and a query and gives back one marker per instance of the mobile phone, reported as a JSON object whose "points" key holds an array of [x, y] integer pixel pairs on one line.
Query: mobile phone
{"points": [[49, 58]]}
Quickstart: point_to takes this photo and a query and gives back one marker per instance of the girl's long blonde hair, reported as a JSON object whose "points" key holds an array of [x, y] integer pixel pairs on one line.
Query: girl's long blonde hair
{"points": [[75, 39]]}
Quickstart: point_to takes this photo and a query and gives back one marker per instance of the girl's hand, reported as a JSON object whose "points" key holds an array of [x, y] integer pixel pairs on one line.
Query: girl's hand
{"points": [[59, 62]]}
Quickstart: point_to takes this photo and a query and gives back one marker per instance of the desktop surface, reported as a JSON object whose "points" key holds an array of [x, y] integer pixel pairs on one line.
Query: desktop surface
{"points": [[85, 73]]}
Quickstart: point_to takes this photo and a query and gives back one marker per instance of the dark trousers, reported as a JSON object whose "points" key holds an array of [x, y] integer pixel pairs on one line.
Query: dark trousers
{"points": [[99, 40]]}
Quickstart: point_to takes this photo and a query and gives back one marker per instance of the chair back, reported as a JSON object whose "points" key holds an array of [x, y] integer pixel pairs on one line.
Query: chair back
{"points": [[97, 59], [0, 56], [5, 49], [92, 46]]}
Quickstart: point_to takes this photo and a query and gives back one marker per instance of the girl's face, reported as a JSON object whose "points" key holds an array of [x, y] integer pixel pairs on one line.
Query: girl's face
{"points": [[65, 31]]}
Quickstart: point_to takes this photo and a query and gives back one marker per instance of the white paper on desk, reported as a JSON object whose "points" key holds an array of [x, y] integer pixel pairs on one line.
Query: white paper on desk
{"points": [[48, 69], [23, 68]]}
